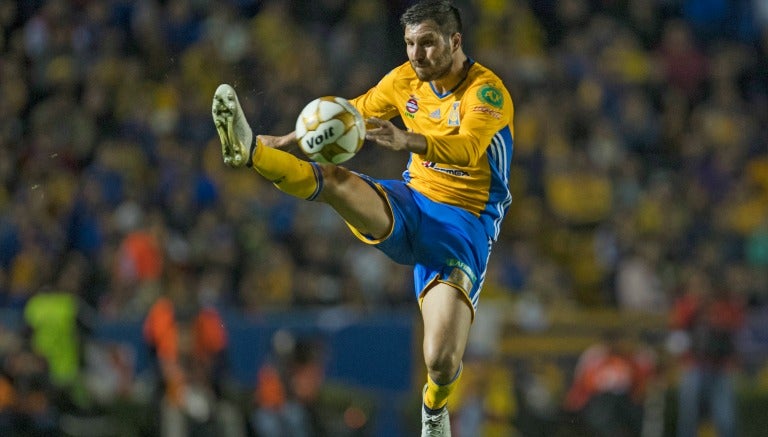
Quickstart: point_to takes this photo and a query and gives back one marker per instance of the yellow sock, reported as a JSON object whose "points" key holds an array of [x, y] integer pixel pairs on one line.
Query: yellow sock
{"points": [[436, 395], [290, 174]]}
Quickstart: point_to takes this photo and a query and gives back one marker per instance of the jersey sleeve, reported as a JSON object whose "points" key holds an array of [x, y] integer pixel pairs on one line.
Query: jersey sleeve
{"points": [[377, 101], [486, 109]]}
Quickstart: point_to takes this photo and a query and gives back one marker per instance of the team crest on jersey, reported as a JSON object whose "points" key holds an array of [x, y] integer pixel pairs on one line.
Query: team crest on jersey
{"points": [[491, 95], [453, 116], [411, 106]]}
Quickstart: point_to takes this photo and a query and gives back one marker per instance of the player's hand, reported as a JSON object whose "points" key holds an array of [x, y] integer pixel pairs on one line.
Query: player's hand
{"points": [[282, 142], [386, 134]]}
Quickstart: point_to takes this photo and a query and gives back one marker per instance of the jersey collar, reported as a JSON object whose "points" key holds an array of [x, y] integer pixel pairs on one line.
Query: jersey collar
{"points": [[455, 87]]}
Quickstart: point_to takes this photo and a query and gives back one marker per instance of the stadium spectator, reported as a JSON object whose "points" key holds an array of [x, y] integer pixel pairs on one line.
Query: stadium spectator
{"points": [[30, 407], [709, 316], [189, 345], [609, 386], [288, 387]]}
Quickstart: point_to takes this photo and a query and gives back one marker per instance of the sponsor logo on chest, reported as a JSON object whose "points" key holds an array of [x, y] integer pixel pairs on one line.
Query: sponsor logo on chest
{"points": [[453, 119], [438, 167], [411, 107]]}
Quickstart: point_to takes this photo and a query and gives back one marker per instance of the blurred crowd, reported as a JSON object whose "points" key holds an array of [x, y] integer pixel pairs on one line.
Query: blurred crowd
{"points": [[641, 134]]}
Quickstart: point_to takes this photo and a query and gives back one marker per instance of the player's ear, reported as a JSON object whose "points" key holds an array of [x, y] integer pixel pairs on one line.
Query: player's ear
{"points": [[455, 41]]}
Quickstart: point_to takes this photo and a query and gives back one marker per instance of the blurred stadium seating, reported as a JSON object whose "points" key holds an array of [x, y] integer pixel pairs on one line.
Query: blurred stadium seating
{"points": [[641, 134]]}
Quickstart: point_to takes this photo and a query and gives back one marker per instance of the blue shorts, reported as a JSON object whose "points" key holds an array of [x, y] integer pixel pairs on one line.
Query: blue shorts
{"points": [[444, 243]]}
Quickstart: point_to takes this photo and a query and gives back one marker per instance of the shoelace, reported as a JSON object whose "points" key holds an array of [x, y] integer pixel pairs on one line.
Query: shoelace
{"points": [[433, 422]]}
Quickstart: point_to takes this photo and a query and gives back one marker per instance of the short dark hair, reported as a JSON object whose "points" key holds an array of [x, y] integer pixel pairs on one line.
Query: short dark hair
{"points": [[443, 12]]}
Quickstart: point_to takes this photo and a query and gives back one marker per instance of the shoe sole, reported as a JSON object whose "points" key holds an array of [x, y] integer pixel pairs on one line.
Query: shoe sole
{"points": [[226, 110]]}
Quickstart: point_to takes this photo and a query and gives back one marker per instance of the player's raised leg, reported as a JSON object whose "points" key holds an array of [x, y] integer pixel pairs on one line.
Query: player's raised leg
{"points": [[447, 320], [239, 148], [351, 196]]}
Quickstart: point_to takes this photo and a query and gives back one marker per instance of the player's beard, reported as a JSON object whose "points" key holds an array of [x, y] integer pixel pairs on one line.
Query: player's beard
{"points": [[440, 67]]}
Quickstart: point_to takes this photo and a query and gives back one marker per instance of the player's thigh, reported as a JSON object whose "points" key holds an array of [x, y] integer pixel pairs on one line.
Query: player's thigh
{"points": [[447, 319], [358, 203], [451, 246]]}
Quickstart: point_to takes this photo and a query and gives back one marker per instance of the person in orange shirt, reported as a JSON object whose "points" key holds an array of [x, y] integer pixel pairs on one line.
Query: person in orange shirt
{"points": [[608, 387], [189, 356]]}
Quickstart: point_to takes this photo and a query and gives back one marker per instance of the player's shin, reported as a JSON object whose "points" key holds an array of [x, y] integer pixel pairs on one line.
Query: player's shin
{"points": [[288, 173], [436, 395]]}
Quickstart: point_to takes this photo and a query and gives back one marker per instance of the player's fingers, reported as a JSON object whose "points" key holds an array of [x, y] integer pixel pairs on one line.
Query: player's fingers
{"points": [[373, 137], [375, 133], [374, 122], [378, 137]]}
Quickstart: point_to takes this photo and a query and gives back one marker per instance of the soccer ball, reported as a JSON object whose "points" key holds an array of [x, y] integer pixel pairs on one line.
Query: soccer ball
{"points": [[329, 129]]}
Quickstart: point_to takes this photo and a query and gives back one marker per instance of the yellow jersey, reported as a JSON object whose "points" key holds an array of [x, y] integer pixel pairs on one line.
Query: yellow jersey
{"points": [[469, 136]]}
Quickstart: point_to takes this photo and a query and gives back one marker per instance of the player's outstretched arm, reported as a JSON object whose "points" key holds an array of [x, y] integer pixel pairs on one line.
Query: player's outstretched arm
{"points": [[282, 142], [386, 134]]}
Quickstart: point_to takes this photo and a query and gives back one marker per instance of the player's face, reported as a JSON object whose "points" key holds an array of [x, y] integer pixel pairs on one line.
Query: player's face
{"points": [[429, 52]]}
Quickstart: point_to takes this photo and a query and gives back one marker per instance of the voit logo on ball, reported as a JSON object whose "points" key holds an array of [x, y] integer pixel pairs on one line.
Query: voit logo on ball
{"points": [[321, 136]]}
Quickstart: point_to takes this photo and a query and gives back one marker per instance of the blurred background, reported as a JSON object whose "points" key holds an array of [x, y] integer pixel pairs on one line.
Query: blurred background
{"points": [[148, 290]]}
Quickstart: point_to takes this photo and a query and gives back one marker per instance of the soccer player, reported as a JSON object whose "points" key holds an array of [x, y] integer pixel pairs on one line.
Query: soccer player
{"points": [[445, 213]]}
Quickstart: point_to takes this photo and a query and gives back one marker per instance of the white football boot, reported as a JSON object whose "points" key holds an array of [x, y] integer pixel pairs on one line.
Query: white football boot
{"points": [[435, 425], [235, 133]]}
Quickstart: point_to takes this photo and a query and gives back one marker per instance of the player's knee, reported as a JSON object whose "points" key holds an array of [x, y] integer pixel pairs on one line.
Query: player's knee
{"points": [[334, 176], [442, 364]]}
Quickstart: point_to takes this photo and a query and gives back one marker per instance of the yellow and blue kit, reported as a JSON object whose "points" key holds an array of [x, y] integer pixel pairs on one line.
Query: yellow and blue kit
{"points": [[448, 207]]}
